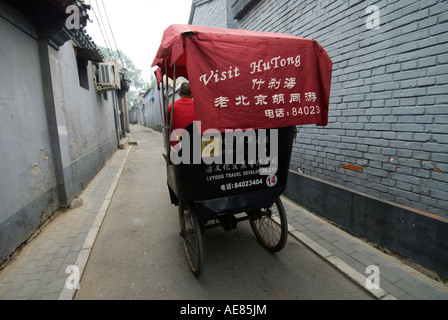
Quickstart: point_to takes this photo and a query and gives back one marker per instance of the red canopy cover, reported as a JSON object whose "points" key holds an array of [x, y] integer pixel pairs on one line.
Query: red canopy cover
{"points": [[246, 79]]}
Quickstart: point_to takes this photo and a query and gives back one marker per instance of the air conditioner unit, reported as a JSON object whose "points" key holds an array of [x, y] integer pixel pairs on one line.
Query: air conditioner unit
{"points": [[106, 76]]}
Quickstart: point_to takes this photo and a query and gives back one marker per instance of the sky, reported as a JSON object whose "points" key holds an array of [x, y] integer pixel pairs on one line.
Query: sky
{"points": [[137, 26]]}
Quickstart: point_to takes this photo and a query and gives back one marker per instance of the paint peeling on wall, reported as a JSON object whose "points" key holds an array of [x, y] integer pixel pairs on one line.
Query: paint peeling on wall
{"points": [[35, 170]]}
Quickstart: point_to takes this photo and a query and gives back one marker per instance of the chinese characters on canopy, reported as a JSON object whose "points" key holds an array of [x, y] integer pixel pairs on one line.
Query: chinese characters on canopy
{"points": [[274, 101]]}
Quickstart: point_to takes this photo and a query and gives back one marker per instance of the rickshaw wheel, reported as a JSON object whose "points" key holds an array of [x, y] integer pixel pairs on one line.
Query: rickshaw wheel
{"points": [[271, 227], [190, 232]]}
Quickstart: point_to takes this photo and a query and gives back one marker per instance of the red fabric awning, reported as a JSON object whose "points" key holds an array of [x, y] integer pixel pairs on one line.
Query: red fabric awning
{"points": [[246, 79]]}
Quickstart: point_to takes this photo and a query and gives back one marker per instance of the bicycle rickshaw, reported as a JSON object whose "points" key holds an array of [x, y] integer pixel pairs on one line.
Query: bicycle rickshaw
{"points": [[250, 90]]}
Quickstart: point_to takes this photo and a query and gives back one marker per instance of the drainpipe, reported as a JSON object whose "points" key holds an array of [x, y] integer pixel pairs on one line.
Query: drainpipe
{"points": [[116, 118]]}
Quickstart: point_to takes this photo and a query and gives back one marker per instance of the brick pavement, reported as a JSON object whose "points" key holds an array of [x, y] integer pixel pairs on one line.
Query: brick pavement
{"points": [[352, 256], [39, 270]]}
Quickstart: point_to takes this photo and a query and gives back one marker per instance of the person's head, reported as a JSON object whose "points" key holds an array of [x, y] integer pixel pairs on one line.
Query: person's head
{"points": [[185, 90]]}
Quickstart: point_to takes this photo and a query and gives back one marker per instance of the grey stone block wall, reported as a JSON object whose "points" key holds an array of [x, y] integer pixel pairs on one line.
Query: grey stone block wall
{"points": [[211, 13], [55, 135], [388, 121]]}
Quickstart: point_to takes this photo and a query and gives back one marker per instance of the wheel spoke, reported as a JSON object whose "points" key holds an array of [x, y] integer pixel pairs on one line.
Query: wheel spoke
{"points": [[192, 240], [271, 227]]}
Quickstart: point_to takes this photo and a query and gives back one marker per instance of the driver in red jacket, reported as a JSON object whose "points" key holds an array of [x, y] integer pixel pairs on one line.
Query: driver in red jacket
{"points": [[184, 113]]}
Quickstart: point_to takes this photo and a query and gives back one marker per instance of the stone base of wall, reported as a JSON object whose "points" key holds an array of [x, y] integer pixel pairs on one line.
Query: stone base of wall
{"points": [[83, 170], [21, 225], [18, 228], [419, 236]]}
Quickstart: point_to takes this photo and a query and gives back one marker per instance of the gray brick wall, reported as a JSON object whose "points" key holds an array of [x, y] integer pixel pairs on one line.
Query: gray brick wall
{"points": [[210, 13], [388, 121]]}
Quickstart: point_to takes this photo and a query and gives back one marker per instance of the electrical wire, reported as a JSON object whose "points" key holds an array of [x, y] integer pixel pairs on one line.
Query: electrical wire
{"points": [[103, 32], [112, 33]]}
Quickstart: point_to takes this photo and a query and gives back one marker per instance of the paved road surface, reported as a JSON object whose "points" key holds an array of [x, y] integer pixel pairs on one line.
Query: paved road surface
{"points": [[138, 253]]}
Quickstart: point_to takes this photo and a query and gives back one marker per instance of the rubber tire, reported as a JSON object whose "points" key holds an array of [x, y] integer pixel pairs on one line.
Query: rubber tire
{"points": [[190, 232], [265, 227]]}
